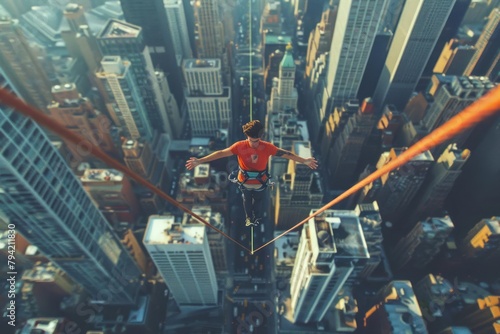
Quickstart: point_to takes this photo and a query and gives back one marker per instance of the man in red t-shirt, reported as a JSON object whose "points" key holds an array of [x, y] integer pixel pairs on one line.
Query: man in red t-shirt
{"points": [[253, 155]]}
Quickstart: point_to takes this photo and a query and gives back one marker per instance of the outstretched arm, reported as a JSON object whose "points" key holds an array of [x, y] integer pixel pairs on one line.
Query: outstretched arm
{"points": [[310, 162], [193, 162]]}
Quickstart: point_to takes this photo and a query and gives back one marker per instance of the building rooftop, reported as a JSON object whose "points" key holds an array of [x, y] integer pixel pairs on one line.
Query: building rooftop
{"points": [[163, 230], [278, 39], [340, 232], [116, 29], [494, 225], [303, 149], [285, 248], [102, 175], [41, 273], [403, 309], [41, 325], [201, 63]]}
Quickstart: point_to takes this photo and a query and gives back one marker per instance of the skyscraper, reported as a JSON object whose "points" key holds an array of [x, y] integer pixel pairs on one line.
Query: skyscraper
{"points": [[78, 114], [418, 248], [376, 267], [124, 102], [177, 23], [452, 96], [112, 192], [396, 311], [355, 28], [487, 46], [398, 187], [299, 190], [119, 38], [51, 209], [208, 102], [320, 38], [454, 58], [346, 149], [483, 240], [284, 95], [436, 188], [21, 65], [448, 32], [210, 29], [419, 27], [217, 242], [182, 256], [331, 253], [151, 16]]}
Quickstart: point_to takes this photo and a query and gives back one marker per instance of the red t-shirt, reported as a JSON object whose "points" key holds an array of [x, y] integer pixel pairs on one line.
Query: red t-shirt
{"points": [[253, 159]]}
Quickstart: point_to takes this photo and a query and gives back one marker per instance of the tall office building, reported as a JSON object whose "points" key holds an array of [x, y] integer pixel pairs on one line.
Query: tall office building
{"points": [[208, 101], [397, 311], [22, 66], [299, 190], [434, 293], [391, 14], [482, 242], [376, 62], [376, 268], [398, 187], [482, 316], [436, 188], [176, 119], [182, 255], [284, 94], [452, 96], [119, 38], [112, 193], [78, 115], [139, 157], [331, 253], [454, 58], [345, 152], [216, 241], [418, 248], [419, 27], [449, 31], [487, 46], [151, 16], [52, 211], [333, 127], [355, 28], [320, 38], [210, 29], [177, 23], [79, 40], [124, 102]]}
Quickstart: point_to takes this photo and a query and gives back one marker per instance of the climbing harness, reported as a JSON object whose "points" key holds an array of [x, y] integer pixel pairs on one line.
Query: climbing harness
{"points": [[251, 175]]}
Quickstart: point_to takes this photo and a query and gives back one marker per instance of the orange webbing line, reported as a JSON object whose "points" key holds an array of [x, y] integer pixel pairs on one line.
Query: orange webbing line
{"points": [[45, 120], [481, 109]]}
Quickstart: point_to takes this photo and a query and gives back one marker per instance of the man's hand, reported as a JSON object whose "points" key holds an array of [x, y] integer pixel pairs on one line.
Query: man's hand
{"points": [[311, 163], [192, 163]]}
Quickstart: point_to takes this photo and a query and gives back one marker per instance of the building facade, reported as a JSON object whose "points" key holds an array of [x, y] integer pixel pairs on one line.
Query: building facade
{"points": [[354, 32], [419, 27], [53, 212], [125, 103], [182, 255], [208, 101], [330, 255]]}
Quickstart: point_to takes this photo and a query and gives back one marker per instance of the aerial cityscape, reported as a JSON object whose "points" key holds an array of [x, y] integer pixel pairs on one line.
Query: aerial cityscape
{"points": [[131, 200]]}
